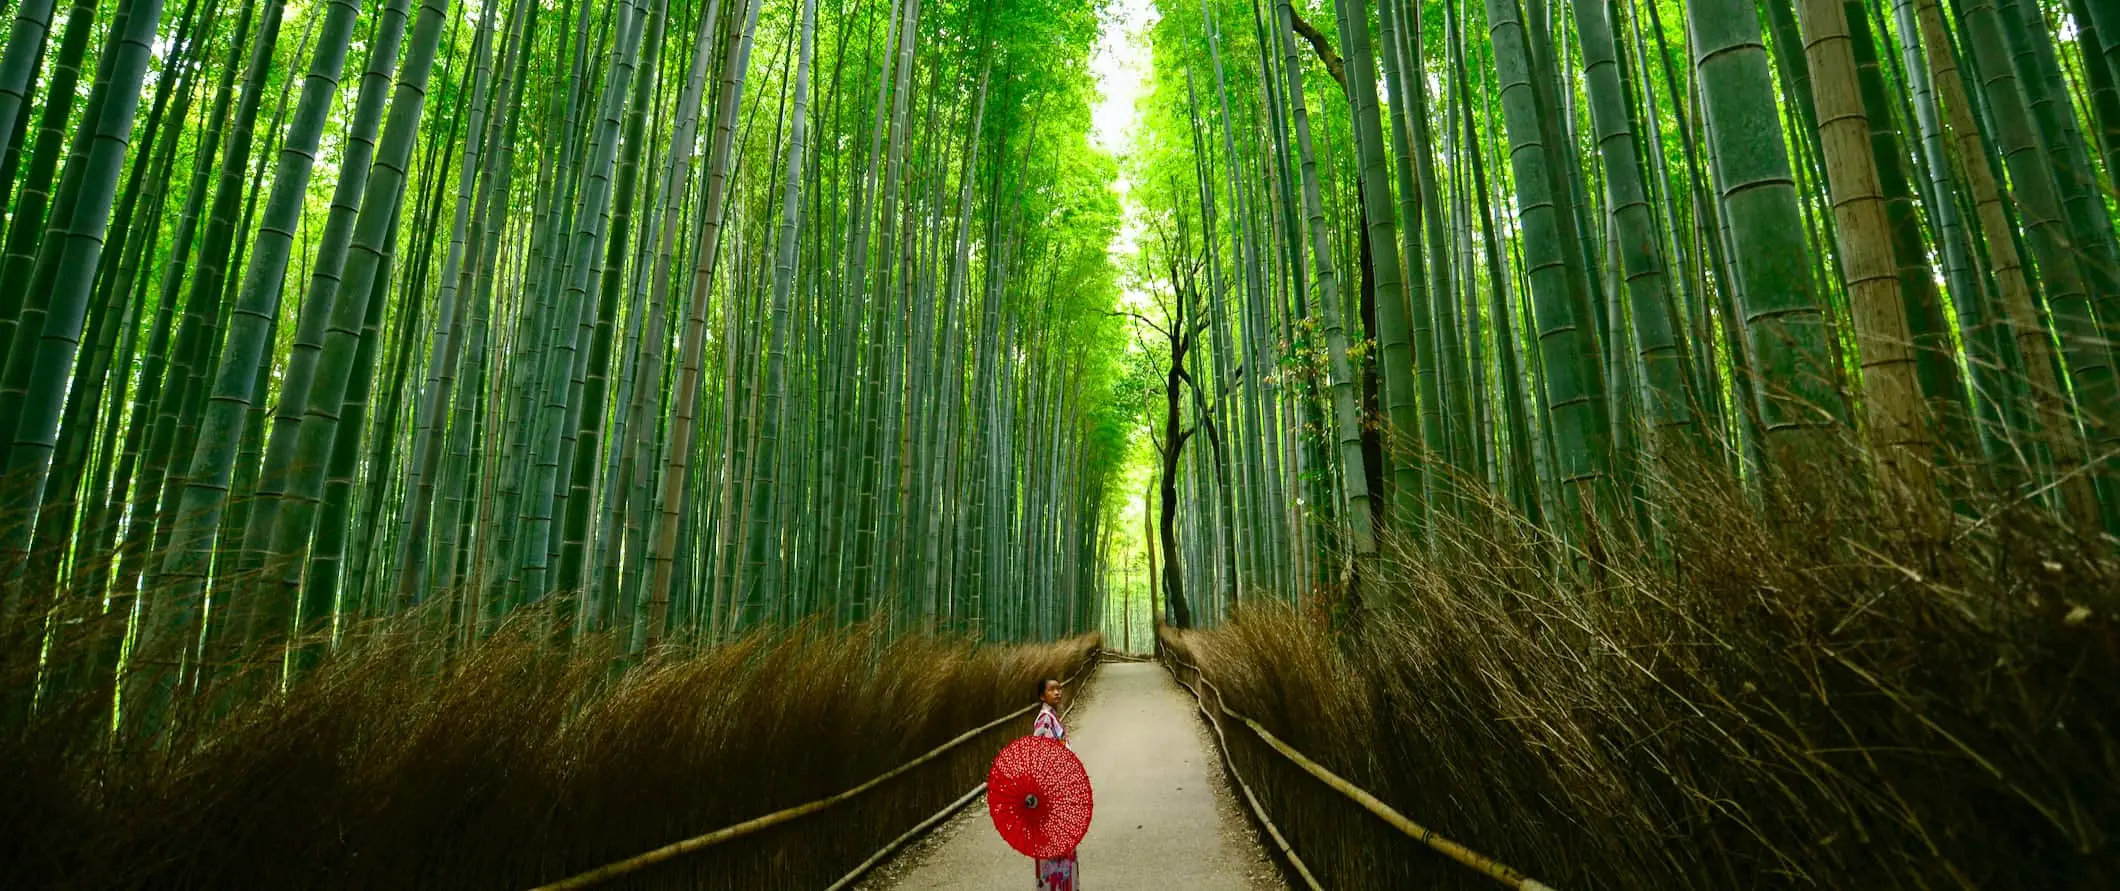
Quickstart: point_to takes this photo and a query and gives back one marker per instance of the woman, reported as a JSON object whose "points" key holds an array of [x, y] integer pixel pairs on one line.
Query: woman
{"points": [[1057, 874]]}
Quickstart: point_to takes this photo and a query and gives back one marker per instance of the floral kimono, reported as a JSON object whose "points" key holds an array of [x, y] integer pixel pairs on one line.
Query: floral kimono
{"points": [[1057, 874]]}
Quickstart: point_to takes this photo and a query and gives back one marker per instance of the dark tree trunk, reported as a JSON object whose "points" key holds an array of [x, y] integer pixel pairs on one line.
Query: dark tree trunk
{"points": [[1148, 531], [1372, 422], [1173, 447]]}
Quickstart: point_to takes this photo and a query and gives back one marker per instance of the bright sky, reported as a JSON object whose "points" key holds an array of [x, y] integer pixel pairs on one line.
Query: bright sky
{"points": [[1121, 65]]}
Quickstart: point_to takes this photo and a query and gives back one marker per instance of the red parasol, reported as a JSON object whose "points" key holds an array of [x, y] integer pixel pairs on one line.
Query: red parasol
{"points": [[1038, 795]]}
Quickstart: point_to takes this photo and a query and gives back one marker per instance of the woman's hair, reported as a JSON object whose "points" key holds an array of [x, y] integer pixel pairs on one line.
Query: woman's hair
{"points": [[1044, 683]]}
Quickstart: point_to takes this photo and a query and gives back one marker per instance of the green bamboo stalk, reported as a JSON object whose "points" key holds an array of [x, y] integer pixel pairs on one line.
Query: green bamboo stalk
{"points": [[1346, 421], [66, 270], [1785, 328], [755, 594], [681, 430], [1992, 361], [2087, 352], [1574, 384], [213, 460], [1670, 404], [19, 65], [275, 478], [21, 309], [340, 361]]}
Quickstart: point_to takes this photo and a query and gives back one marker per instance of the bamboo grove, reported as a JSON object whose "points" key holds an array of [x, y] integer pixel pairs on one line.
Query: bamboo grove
{"points": [[1414, 258], [673, 320], [664, 320]]}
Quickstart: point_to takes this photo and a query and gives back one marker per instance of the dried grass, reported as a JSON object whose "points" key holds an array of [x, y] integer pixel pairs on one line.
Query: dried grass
{"points": [[1805, 703], [517, 763]]}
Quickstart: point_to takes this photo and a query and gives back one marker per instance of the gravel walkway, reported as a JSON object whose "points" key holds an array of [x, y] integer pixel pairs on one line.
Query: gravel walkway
{"points": [[1165, 819]]}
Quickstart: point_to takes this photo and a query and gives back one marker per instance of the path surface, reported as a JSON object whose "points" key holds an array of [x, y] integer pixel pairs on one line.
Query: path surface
{"points": [[1165, 820]]}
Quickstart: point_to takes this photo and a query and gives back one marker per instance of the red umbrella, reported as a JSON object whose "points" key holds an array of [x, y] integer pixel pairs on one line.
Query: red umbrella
{"points": [[1038, 795]]}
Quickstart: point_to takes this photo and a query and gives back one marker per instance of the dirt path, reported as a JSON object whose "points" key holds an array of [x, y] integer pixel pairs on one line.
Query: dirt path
{"points": [[1165, 818]]}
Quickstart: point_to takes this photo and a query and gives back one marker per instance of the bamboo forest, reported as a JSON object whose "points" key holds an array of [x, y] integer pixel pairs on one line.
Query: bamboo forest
{"points": [[1433, 443]]}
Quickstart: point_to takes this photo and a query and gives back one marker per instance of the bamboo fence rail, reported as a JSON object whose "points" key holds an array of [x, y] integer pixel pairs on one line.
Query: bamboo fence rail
{"points": [[1485, 865], [1258, 810], [928, 825], [677, 849]]}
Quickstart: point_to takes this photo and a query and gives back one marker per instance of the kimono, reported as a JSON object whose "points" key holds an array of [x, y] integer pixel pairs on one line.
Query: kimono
{"points": [[1057, 874]]}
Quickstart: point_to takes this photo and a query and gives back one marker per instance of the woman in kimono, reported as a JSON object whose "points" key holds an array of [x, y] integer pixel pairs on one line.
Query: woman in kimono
{"points": [[1057, 874]]}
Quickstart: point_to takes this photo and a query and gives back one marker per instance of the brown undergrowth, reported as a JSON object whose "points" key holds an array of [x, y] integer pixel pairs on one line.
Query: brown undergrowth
{"points": [[518, 763], [1801, 704]]}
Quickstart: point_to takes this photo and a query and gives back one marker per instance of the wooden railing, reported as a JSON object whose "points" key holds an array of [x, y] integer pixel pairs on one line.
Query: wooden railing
{"points": [[1258, 811], [706, 840], [977, 792], [1207, 694]]}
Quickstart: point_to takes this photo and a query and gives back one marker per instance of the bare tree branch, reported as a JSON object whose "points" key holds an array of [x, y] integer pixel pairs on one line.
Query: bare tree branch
{"points": [[1333, 64]]}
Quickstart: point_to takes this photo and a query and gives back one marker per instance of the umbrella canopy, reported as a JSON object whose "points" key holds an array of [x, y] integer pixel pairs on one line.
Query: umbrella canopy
{"points": [[1039, 797]]}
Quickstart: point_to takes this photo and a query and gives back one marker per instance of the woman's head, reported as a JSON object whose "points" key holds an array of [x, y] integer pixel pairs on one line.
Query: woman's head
{"points": [[1049, 691]]}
